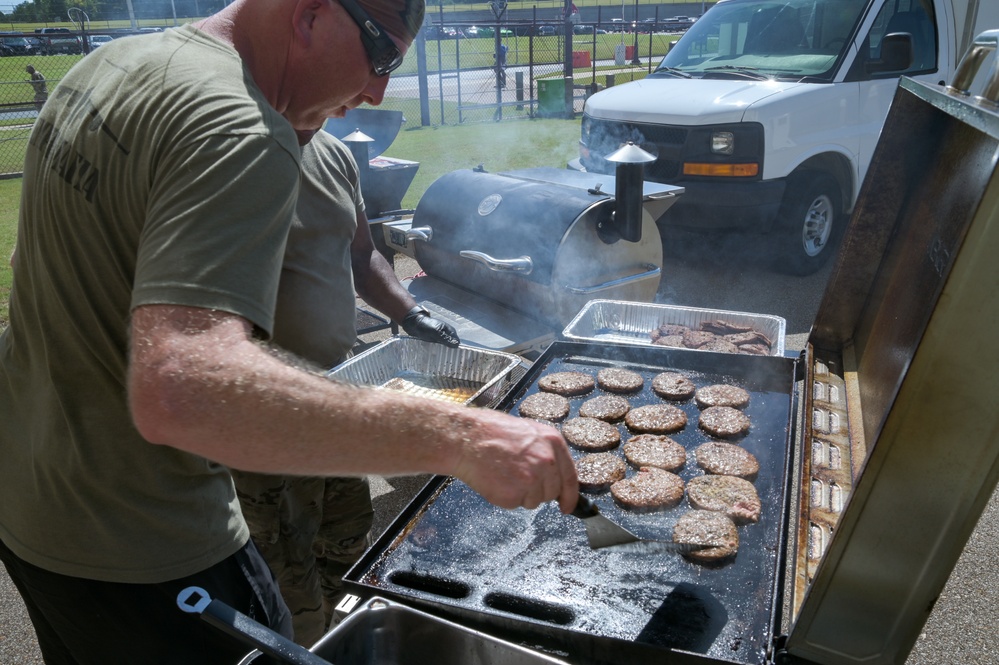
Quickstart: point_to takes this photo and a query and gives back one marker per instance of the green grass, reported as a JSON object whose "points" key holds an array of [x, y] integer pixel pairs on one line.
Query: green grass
{"points": [[511, 144]]}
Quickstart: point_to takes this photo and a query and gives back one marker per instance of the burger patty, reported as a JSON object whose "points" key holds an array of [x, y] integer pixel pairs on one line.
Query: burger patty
{"points": [[721, 394], [735, 497], [568, 384], [617, 380], [655, 450], [648, 490], [656, 419], [544, 406], [599, 471], [723, 421], [673, 385], [591, 434], [705, 527], [605, 407], [726, 459]]}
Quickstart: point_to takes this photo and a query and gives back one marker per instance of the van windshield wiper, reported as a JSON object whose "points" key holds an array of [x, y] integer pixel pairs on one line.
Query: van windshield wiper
{"points": [[673, 70], [748, 72]]}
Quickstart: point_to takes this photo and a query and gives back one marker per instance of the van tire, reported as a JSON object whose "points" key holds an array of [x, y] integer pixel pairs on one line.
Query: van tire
{"points": [[810, 222]]}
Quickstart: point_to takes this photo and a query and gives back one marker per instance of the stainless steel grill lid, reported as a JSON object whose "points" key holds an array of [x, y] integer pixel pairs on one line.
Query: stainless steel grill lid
{"points": [[900, 416]]}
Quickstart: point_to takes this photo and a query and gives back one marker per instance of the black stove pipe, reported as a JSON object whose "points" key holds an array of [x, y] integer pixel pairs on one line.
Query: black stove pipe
{"points": [[628, 190]]}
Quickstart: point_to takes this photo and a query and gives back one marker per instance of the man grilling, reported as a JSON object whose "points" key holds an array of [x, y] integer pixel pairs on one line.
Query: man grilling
{"points": [[134, 372]]}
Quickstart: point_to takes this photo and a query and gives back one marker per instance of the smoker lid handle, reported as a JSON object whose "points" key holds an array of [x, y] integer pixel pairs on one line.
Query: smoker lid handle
{"points": [[424, 233], [522, 264]]}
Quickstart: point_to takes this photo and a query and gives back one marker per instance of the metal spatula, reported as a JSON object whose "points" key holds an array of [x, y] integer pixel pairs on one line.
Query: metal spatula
{"points": [[603, 533]]}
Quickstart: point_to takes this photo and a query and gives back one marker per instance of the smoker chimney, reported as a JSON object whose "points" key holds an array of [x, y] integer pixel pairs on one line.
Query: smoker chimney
{"points": [[357, 142], [628, 190]]}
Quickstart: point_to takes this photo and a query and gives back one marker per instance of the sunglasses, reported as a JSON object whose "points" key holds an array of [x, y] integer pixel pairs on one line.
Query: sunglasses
{"points": [[385, 56]]}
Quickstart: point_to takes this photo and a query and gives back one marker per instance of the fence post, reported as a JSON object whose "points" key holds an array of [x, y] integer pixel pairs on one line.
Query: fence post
{"points": [[519, 77], [421, 68], [570, 93]]}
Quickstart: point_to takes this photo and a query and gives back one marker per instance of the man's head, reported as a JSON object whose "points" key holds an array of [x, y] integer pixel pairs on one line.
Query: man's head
{"points": [[29, 69], [326, 63]]}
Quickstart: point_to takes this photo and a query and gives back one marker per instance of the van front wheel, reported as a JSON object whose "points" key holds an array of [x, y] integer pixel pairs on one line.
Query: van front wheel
{"points": [[809, 223]]}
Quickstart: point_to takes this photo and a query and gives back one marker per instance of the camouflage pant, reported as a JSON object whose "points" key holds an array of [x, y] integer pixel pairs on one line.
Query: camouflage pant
{"points": [[310, 531]]}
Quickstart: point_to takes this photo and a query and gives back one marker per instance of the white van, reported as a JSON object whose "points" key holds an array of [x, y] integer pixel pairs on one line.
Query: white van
{"points": [[767, 111]]}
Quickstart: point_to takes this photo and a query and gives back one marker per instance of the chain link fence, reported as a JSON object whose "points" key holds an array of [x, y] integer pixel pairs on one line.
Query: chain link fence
{"points": [[458, 71]]}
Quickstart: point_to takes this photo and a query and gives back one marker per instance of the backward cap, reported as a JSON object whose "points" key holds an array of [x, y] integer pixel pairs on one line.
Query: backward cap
{"points": [[402, 18]]}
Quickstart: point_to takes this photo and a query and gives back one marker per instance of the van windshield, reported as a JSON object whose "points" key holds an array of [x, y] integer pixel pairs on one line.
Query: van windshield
{"points": [[764, 39]]}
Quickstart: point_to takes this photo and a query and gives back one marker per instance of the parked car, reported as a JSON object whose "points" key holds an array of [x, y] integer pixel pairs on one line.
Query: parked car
{"points": [[677, 23], [587, 29], [15, 45], [486, 31], [547, 31], [441, 32], [98, 40], [58, 41]]}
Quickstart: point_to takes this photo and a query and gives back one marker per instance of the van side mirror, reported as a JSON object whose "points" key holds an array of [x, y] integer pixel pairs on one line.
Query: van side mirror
{"points": [[896, 54]]}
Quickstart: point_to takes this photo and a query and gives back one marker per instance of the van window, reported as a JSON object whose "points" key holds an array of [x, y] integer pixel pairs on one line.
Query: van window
{"points": [[914, 17], [781, 39]]}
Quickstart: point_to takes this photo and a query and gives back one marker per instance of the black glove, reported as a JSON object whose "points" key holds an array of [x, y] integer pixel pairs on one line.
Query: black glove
{"points": [[419, 324]]}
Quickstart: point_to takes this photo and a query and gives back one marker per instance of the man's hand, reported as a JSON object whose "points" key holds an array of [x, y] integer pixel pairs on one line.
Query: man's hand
{"points": [[419, 324], [517, 462]]}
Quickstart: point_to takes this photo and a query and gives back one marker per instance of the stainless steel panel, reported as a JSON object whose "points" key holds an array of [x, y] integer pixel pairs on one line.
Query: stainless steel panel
{"points": [[384, 632], [907, 325]]}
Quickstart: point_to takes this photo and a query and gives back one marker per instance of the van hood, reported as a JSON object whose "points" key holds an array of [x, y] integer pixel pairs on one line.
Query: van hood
{"points": [[670, 101]]}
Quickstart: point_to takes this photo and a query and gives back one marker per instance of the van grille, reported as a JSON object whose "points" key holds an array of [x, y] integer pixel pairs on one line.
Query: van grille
{"points": [[665, 141]]}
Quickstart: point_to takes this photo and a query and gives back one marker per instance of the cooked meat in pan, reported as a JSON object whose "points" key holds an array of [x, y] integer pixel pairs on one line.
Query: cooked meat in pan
{"points": [[605, 407], [568, 384], [726, 459], [735, 497], [695, 339], [649, 490], [751, 337], [721, 394], [591, 434], [599, 471], [725, 327], [719, 345], [617, 380], [656, 419], [544, 406], [675, 341], [723, 421], [673, 385], [668, 330], [655, 450], [705, 527]]}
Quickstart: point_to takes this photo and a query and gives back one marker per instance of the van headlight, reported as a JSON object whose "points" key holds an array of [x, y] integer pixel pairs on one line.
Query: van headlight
{"points": [[723, 143]]}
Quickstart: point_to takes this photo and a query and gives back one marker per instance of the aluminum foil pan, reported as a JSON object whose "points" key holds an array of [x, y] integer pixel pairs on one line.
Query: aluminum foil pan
{"points": [[623, 322], [463, 375]]}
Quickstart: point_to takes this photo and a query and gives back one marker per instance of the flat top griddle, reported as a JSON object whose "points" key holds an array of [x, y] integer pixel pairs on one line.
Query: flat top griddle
{"points": [[534, 571]]}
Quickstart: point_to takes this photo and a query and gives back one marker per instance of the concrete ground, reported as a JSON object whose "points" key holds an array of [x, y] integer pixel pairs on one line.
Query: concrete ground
{"points": [[962, 626]]}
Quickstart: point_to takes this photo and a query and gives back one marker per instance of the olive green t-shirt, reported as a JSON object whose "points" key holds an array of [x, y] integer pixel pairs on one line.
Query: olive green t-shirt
{"points": [[316, 305], [157, 173]]}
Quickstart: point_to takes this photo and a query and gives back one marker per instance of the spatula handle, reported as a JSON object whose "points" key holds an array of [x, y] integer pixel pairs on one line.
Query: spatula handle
{"points": [[585, 507]]}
